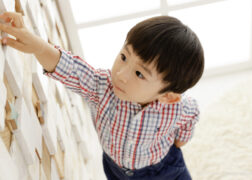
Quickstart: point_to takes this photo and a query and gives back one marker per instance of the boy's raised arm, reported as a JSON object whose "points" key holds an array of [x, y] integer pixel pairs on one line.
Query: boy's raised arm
{"points": [[72, 71], [49, 57], [27, 42]]}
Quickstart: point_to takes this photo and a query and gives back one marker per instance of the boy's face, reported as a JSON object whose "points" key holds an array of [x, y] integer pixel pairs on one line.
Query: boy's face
{"points": [[134, 81]]}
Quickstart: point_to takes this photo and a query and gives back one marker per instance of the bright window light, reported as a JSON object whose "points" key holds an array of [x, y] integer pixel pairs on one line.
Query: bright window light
{"points": [[176, 2], [86, 11], [101, 44], [224, 29]]}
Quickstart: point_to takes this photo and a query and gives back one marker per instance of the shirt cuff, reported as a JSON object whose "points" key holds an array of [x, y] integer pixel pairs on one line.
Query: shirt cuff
{"points": [[184, 135], [64, 67]]}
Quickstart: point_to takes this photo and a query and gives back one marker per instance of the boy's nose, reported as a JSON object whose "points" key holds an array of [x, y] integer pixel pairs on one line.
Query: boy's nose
{"points": [[123, 75]]}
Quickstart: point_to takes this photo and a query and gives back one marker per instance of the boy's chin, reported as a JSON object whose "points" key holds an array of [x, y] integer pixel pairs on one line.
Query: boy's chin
{"points": [[127, 99], [122, 97]]}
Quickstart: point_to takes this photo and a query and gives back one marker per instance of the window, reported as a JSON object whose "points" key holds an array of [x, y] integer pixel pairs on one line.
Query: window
{"points": [[223, 27], [87, 11]]}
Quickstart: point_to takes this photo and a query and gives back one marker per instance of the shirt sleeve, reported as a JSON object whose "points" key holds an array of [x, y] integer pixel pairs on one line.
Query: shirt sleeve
{"points": [[189, 117], [78, 76]]}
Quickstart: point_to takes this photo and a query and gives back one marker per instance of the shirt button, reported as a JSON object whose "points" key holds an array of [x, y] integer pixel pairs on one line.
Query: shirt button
{"points": [[129, 173]]}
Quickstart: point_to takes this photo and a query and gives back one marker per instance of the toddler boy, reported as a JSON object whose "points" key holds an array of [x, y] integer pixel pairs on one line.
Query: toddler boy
{"points": [[139, 109]]}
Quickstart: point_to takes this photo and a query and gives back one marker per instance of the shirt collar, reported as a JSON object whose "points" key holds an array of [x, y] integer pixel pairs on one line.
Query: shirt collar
{"points": [[156, 105], [160, 106]]}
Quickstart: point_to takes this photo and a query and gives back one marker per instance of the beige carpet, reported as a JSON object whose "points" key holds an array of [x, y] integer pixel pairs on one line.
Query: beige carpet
{"points": [[221, 148]]}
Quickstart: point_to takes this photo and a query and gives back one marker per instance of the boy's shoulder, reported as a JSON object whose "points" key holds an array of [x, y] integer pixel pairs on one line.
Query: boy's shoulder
{"points": [[189, 103], [185, 98]]}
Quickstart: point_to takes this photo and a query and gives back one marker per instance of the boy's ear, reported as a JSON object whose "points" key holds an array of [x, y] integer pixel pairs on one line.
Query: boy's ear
{"points": [[170, 98]]}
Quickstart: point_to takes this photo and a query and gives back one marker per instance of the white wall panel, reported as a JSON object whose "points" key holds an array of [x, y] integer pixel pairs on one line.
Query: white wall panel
{"points": [[24, 131], [2, 61], [49, 127], [7, 5], [36, 132], [13, 70], [34, 169], [38, 107], [61, 128], [8, 169], [3, 97], [34, 12], [54, 174], [48, 6], [19, 159], [40, 81]]}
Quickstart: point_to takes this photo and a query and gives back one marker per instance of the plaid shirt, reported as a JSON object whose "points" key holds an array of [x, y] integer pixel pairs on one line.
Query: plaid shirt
{"points": [[133, 137]]}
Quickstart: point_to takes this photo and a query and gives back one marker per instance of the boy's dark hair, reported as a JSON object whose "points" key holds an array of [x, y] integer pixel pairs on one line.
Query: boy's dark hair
{"points": [[173, 47]]}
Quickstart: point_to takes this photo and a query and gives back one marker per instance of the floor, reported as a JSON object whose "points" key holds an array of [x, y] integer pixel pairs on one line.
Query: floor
{"points": [[209, 89]]}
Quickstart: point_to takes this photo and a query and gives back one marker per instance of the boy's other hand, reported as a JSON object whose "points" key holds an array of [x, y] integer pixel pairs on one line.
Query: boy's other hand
{"points": [[13, 24], [178, 143]]}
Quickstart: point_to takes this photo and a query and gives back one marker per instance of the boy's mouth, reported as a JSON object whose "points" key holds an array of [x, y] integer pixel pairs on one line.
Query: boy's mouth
{"points": [[116, 87]]}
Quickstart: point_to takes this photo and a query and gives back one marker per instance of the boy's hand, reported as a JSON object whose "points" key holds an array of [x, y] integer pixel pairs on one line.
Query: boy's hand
{"points": [[178, 143], [25, 41]]}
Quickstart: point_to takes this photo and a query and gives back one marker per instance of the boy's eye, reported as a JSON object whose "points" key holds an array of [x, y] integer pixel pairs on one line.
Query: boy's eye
{"points": [[123, 57], [139, 75]]}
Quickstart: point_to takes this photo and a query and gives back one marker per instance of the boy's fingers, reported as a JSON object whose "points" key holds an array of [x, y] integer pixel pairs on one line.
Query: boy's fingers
{"points": [[16, 18], [9, 29], [13, 43]]}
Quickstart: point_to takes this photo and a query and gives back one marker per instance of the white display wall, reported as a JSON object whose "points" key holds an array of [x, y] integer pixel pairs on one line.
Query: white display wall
{"points": [[45, 130]]}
